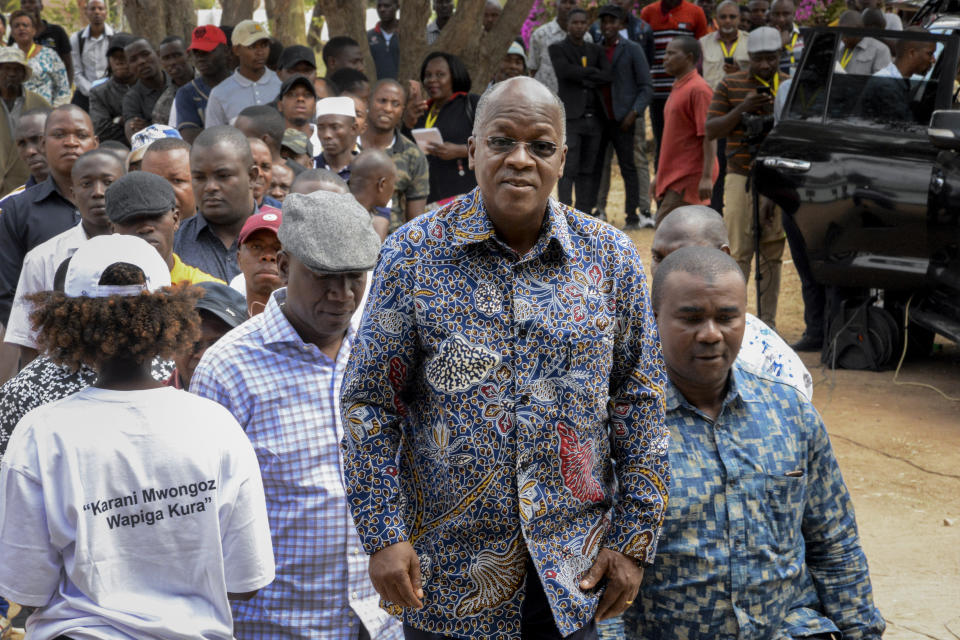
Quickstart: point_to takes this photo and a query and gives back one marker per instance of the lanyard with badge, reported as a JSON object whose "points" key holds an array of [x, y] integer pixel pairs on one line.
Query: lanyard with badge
{"points": [[728, 53], [774, 87], [789, 47], [845, 58]]}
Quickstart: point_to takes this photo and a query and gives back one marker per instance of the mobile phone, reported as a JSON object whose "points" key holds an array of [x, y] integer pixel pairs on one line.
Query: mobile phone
{"points": [[728, 60], [764, 91]]}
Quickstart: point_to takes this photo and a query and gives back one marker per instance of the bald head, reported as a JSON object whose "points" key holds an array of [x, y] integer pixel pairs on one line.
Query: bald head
{"points": [[517, 89], [227, 136], [370, 166], [690, 226], [318, 180]]}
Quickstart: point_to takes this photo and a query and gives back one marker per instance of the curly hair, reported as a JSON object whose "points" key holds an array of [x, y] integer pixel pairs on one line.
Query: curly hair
{"points": [[83, 330]]}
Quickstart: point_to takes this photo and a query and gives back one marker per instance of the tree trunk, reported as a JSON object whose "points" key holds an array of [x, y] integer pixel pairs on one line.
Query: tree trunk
{"points": [[462, 36], [160, 19], [316, 28], [414, 16], [286, 21], [347, 18], [236, 10]]}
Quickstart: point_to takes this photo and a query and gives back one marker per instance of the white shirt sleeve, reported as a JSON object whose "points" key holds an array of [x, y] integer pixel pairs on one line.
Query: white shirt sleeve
{"points": [[31, 567], [19, 331], [83, 85], [214, 114]]}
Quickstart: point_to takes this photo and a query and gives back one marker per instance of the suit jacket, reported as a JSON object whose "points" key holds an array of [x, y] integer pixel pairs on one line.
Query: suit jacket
{"points": [[578, 85], [13, 170], [632, 87], [638, 30]]}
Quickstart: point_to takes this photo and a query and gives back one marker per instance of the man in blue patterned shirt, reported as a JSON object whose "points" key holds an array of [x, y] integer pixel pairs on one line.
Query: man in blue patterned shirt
{"points": [[760, 539], [506, 460]]}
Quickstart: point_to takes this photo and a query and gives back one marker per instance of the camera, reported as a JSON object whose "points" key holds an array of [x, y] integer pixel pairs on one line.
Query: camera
{"points": [[728, 60], [756, 127]]}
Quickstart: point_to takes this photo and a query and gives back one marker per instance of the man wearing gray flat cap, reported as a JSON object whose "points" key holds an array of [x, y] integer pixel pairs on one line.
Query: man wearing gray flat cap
{"points": [[279, 374], [144, 205]]}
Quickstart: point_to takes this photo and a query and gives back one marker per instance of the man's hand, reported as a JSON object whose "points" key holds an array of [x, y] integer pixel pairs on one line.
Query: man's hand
{"points": [[756, 101], [730, 68], [416, 104], [768, 210], [623, 582], [395, 573], [628, 121], [705, 188]]}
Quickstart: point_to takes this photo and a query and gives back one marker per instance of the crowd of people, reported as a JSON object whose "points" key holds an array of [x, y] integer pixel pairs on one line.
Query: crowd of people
{"points": [[291, 356]]}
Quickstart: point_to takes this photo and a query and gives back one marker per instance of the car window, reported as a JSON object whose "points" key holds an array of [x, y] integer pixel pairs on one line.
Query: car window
{"points": [[885, 99], [827, 92], [809, 96]]}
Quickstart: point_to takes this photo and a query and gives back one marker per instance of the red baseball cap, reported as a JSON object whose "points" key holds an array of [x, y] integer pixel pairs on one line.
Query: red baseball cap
{"points": [[267, 218], [206, 38]]}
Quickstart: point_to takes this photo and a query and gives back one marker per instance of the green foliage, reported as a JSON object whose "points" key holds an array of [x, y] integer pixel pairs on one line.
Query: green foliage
{"points": [[204, 4], [66, 14]]}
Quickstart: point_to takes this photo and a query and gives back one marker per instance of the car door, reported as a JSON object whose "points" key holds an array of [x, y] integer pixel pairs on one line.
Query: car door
{"points": [[850, 162]]}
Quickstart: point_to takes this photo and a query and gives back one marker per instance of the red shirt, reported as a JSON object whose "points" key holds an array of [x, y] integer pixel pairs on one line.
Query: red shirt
{"points": [[684, 128], [686, 19]]}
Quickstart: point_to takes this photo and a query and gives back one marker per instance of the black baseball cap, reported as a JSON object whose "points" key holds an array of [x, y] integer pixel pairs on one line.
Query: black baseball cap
{"points": [[294, 54], [119, 41], [293, 81], [610, 10], [225, 302]]}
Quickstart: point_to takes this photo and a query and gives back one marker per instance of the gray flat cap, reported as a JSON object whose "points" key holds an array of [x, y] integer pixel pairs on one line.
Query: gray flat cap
{"points": [[138, 194], [329, 232]]}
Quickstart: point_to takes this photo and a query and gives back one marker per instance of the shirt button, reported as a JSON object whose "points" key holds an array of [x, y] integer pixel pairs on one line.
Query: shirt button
{"points": [[355, 595], [522, 333]]}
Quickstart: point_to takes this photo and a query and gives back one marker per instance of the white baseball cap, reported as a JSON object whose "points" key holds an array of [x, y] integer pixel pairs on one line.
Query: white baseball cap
{"points": [[764, 39], [96, 254]]}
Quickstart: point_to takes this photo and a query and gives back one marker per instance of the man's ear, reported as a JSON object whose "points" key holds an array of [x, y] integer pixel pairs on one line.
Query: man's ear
{"points": [[176, 217], [471, 151], [283, 266]]}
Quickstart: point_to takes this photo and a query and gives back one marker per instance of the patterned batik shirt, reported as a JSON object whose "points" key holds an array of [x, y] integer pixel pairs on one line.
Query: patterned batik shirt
{"points": [[760, 538], [524, 395], [285, 394]]}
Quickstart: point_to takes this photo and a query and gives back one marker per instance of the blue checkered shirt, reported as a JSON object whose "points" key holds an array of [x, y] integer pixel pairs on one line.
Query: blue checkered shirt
{"points": [[760, 539], [285, 393]]}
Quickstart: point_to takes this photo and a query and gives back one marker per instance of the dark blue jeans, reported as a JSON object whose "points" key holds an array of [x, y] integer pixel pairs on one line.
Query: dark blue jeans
{"points": [[536, 618]]}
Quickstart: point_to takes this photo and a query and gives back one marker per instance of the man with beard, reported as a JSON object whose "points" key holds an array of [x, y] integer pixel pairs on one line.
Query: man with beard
{"points": [[337, 130], [387, 102], [211, 57], [152, 80], [221, 166], [14, 70]]}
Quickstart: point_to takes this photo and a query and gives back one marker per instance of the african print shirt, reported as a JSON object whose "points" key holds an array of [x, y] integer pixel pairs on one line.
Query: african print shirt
{"points": [[760, 538], [49, 78], [524, 395]]}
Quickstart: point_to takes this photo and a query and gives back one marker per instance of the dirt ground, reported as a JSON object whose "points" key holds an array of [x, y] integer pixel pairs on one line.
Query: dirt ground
{"points": [[899, 450]]}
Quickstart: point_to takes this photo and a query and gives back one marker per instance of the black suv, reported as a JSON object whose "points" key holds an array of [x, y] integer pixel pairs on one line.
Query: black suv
{"points": [[870, 177]]}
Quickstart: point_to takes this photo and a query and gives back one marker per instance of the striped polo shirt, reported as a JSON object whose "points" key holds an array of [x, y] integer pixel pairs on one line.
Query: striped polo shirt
{"points": [[685, 19], [731, 91]]}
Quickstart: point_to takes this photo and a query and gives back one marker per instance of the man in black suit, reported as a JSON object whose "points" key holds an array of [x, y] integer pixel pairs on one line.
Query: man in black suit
{"points": [[631, 90], [581, 68]]}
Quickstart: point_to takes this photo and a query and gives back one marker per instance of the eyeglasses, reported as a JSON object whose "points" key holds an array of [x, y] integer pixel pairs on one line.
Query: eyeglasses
{"points": [[539, 148]]}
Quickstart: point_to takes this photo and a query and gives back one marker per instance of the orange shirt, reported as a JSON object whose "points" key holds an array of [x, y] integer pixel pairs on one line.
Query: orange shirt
{"points": [[684, 128]]}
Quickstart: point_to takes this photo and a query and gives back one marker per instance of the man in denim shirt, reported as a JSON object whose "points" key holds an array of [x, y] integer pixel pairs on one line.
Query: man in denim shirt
{"points": [[760, 538]]}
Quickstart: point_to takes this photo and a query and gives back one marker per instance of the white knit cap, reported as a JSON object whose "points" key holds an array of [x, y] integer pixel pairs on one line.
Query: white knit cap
{"points": [[341, 106]]}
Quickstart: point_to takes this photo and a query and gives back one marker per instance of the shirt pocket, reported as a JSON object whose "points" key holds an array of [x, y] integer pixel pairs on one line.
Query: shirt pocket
{"points": [[786, 496]]}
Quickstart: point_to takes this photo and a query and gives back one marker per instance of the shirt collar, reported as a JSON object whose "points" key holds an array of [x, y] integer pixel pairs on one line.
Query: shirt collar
{"points": [[45, 189], [740, 388], [473, 226], [200, 223], [278, 330], [247, 82]]}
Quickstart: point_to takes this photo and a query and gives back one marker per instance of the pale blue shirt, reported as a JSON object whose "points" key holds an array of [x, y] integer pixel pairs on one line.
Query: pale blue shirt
{"points": [[236, 93]]}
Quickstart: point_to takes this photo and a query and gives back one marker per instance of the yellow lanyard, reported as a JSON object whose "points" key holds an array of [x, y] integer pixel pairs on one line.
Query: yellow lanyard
{"points": [[789, 47], [723, 47], [845, 59], [33, 47], [776, 82], [432, 116]]}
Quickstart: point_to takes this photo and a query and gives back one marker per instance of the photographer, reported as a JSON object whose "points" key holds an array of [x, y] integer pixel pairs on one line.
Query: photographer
{"points": [[742, 111]]}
